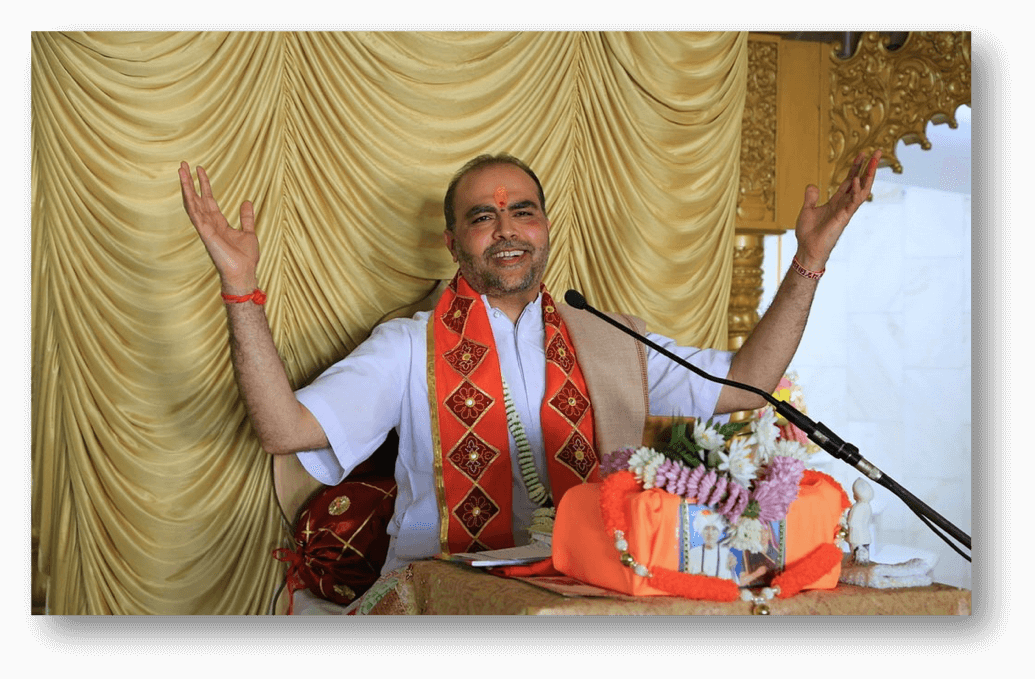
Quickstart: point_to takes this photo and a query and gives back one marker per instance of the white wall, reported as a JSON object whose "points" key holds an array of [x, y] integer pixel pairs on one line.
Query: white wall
{"points": [[886, 358]]}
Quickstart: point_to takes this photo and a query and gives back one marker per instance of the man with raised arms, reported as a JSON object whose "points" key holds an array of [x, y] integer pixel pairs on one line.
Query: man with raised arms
{"points": [[502, 398]]}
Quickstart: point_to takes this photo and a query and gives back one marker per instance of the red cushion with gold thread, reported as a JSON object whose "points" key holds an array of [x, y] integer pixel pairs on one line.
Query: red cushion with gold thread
{"points": [[341, 535], [342, 539]]}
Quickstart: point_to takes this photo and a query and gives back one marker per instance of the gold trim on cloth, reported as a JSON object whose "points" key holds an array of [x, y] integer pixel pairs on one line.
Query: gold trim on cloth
{"points": [[436, 442]]}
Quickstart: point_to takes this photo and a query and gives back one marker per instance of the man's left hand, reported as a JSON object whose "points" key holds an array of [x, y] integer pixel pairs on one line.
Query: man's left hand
{"points": [[819, 226]]}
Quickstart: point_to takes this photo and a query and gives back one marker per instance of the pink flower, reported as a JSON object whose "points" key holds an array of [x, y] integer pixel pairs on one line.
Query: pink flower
{"points": [[775, 493], [735, 503], [674, 477], [693, 483], [667, 474], [682, 483], [706, 485], [718, 493], [616, 461]]}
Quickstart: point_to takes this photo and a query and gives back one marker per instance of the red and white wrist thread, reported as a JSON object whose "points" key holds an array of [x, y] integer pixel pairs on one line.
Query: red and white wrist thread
{"points": [[803, 272]]}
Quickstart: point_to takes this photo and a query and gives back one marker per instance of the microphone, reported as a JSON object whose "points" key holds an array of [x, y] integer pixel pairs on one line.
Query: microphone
{"points": [[816, 431]]}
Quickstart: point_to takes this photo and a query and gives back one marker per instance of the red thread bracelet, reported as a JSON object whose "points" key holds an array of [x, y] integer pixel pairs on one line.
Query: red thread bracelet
{"points": [[806, 273], [257, 296]]}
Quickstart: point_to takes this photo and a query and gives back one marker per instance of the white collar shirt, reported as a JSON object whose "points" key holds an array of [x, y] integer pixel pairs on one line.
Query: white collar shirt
{"points": [[382, 385]]}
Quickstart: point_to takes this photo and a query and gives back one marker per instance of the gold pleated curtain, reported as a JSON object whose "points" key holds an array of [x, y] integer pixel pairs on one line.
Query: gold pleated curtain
{"points": [[150, 492]]}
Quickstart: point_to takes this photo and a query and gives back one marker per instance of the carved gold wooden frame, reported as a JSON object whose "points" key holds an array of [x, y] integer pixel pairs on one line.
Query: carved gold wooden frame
{"points": [[808, 113]]}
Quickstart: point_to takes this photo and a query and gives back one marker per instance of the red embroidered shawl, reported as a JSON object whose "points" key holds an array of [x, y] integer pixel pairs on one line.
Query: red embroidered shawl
{"points": [[469, 421]]}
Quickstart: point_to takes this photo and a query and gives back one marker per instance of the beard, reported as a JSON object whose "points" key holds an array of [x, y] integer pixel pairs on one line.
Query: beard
{"points": [[486, 278]]}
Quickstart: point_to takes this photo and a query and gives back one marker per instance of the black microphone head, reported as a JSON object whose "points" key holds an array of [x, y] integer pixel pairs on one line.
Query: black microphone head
{"points": [[575, 299]]}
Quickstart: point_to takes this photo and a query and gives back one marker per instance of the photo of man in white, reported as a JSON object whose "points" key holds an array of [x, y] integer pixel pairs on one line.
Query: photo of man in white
{"points": [[711, 558]]}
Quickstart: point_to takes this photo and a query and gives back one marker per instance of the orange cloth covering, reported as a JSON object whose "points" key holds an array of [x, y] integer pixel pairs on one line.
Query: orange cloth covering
{"points": [[813, 520], [584, 549]]}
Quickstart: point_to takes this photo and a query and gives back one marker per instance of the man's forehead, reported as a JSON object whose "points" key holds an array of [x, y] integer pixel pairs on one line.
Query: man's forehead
{"points": [[488, 184]]}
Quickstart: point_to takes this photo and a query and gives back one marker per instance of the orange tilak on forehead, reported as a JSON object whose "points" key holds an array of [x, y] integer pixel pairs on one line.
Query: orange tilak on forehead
{"points": [[500, 196]]}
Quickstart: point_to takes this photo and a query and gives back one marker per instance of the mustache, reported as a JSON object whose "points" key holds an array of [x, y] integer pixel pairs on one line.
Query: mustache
{"points": [[494, 250]]}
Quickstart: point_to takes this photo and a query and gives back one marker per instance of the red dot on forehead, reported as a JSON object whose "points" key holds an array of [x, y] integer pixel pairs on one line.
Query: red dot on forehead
{"points": [[501, 196]]}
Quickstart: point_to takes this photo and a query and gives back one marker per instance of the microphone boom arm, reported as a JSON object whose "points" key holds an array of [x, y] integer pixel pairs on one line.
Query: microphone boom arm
{"points": [[816, 431]]}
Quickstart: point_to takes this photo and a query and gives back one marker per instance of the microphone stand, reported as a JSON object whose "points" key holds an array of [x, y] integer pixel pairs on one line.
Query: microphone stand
{"points": [[816, 431]]}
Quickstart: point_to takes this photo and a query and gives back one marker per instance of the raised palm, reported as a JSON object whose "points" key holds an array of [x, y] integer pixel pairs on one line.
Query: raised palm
{"points": [[820, 226], [235, 252]]}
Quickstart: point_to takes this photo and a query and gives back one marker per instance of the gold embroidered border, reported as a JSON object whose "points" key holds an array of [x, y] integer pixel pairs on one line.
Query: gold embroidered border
{"points": [[436, 442]]}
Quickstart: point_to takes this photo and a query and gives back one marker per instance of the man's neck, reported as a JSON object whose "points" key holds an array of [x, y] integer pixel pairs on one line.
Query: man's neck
{"points": [[512, 305]]}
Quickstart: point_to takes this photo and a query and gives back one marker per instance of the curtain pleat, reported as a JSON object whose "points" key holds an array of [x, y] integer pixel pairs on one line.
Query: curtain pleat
{"points": [[150, 492]]}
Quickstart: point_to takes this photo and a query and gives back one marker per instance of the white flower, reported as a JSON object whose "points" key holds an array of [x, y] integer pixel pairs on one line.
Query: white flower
{"points": [[748, 535], [737, 462], [765, 433], [791, 448], [644, 463], [707, 436], [797, 398], [640, 457]]}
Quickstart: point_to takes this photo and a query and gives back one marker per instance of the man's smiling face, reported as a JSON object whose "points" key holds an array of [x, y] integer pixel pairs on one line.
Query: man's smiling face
{"points": [[501, 239]]}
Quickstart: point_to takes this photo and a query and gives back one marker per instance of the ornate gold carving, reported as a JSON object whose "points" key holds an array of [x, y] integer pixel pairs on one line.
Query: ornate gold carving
{"points": [[746, 289], [757, 199], [880, 96]]}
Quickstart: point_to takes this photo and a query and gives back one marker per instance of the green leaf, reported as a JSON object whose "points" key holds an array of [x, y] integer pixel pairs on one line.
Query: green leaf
{"points": [[752, 509], [730, 428], [681, 446]]}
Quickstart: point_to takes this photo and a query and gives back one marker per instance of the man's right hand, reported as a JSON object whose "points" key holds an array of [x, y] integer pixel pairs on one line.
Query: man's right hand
{"points": [[282, 423], [235, 252]]}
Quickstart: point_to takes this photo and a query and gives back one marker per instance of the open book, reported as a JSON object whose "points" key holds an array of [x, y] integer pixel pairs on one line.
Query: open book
{"points": [[510, 556]]}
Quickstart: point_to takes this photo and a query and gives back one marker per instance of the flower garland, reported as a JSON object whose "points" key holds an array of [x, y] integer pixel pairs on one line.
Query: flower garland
{"points": [[536, 491], [750, 480], [807, 570]]}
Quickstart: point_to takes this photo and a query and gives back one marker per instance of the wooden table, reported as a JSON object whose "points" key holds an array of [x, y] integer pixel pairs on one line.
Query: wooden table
{"points": [[441, 588]]}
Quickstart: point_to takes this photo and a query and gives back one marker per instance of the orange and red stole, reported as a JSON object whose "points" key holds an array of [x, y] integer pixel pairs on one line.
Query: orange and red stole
{"points": [[469, 420]]}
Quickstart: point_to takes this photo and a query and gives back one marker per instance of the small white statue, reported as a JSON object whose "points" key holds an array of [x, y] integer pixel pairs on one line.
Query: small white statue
{"points": [[859, 522], [858, 569]]}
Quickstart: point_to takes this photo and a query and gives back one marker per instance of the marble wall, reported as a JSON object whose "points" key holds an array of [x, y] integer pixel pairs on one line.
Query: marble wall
{"points": [[886, 358]]}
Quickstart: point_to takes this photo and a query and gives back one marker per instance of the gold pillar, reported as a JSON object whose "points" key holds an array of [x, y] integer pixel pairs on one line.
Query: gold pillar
{"points": [[746, 290]]}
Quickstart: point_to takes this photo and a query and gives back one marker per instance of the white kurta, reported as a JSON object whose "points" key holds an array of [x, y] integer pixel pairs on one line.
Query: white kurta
{"points": [[712, 561], [383, 385]]}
